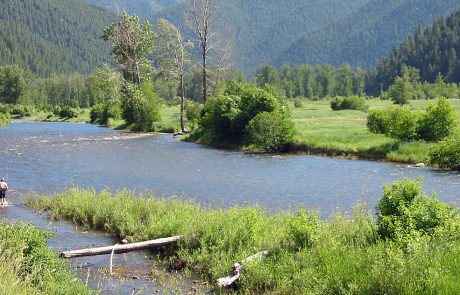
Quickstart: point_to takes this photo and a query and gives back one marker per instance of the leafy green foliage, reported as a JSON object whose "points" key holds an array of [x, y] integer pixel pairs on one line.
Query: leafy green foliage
{"points": [[439, 121], [405, 212], [270, 131], [401, 91], [227, 118], [220, 118], [349, 103], [447, 153], [395, 122], [68, 112], [140, 107], [305, 228]]}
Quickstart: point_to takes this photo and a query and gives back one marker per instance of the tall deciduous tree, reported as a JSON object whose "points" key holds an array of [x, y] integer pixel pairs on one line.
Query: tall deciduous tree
{"points": [[132, 42], [172, 57], [201, 19]]}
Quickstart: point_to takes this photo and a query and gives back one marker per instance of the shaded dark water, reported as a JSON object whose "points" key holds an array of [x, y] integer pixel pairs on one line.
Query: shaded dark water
{"points": [[48, 157]]}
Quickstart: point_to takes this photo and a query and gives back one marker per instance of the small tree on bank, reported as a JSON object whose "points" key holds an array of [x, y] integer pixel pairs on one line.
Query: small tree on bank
{"points": [[172, 57]]}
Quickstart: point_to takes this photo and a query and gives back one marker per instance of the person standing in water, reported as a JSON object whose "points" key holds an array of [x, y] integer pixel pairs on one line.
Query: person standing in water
{"points": [[3, 189]]}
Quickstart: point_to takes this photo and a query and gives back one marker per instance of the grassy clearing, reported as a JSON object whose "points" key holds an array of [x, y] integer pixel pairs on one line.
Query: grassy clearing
{"points": [[28, 267], [345, 132], [344, 255]]}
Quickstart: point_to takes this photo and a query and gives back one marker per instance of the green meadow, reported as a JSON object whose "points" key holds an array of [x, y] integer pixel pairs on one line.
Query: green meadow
{"points": [[344, 133]]}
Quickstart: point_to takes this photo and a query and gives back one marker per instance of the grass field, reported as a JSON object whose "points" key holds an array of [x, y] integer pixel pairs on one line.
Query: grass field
{"points": [[345, 132]]}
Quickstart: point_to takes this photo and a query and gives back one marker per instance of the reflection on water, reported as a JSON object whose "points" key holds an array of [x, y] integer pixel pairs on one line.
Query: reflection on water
{"points": [[47, 157]]}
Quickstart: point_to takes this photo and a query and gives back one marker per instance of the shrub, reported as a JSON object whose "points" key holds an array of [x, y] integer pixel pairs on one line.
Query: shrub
{"points": [[4, 119], [19, 110], [377, 122], [270, 131], [253, 101], [349, 103], [192, 113], [305, 229], [298, 103], [220, 118], [68, 112], [140, 107], [405, 212], [438, 122], [447, 153], [102, 112], [395, 122], [96, 113]]}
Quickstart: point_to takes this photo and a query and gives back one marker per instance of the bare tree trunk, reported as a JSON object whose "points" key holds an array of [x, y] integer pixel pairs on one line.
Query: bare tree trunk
{"points": [[182, 102], [205, 76]]}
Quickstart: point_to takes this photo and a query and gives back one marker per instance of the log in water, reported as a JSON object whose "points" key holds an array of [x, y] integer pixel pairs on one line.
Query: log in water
{"points": [[119, 249]]}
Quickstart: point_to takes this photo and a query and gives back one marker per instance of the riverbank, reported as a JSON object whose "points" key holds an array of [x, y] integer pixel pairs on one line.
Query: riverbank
{"points": [[4, 119], [27, 266], [343, 255]]}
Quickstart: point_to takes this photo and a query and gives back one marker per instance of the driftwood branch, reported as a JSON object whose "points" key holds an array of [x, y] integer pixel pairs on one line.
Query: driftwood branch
{"points": [[119, 249], [236, 269]]}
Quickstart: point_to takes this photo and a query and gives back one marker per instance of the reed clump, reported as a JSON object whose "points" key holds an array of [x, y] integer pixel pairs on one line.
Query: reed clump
{"points": [[308, 255], [28, 267]]}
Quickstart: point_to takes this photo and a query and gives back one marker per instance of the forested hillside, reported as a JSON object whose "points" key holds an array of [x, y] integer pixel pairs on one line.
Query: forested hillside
{"points": [[53, 36], [357, 32], [433, 51], [144, 8]]}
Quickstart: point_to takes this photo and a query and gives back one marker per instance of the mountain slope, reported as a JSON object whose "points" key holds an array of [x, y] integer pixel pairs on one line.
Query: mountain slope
{"points": [[143, 8], [358, 32], [53, 36], [434, 51]]}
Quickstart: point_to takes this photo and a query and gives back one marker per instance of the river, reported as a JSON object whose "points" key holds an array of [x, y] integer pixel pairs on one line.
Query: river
{"points": [[49, 157]]}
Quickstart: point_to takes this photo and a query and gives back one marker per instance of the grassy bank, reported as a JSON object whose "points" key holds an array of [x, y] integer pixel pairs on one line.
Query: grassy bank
{"points": [[28, 267], [4, 119], [344, 133], [344, 255]]}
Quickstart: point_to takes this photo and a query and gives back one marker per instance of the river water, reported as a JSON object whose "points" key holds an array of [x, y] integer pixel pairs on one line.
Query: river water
{"points": [[49, 157]]}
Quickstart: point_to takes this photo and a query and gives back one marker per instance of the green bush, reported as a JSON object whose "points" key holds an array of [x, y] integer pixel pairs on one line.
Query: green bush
{"points": [[305, 229], [68, 112], [447, 153], [404, 212], [193, 113], [270, 131], [298, 103], [220, 118], [140, 107], [349, 103], [101, 113], [439, 121], [19, 110], [377, 121], [4, 119], [395, 122]]}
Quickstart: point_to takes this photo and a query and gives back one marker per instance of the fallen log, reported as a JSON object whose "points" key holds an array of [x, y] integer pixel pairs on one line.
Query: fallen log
{"points": [[119, 249], [236, 269]]}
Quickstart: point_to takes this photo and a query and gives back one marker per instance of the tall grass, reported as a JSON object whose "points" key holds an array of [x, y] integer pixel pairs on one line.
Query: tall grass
{"points": [[4, 119], [27, 266], [343, 255]]}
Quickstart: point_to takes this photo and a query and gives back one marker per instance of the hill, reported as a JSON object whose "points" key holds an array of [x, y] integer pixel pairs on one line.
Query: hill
{"points": [[143, 8], [53, 36], [434, 51], [358, 32]]}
